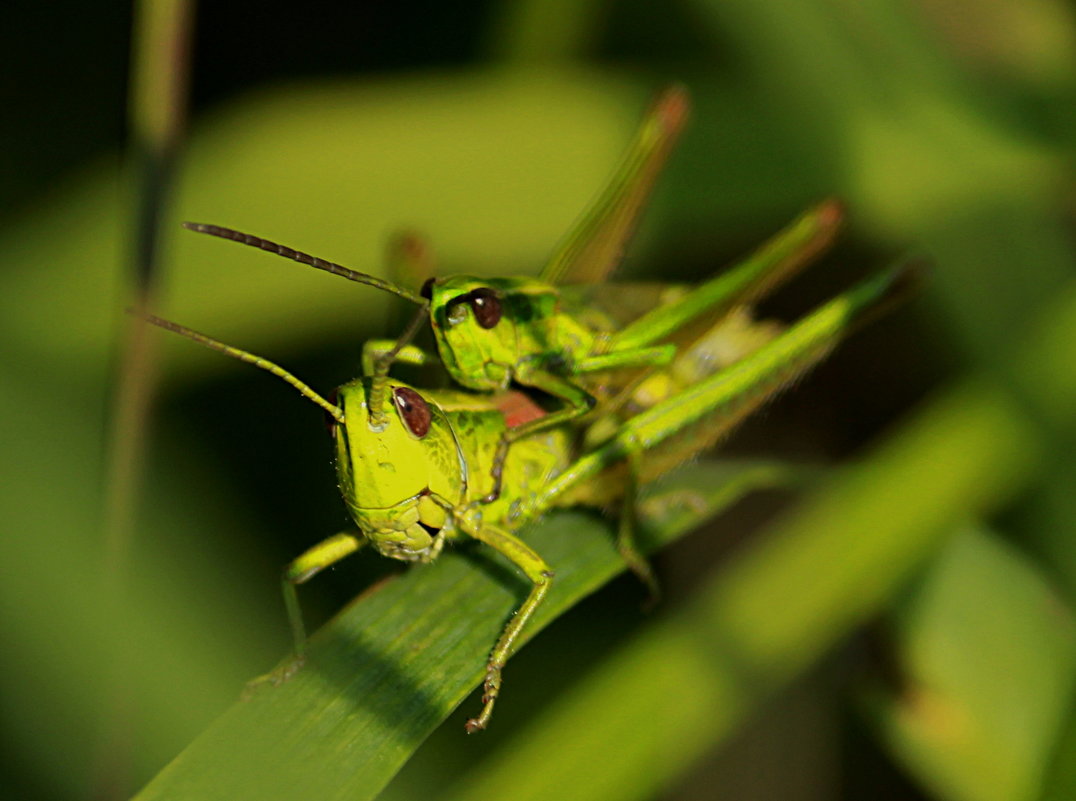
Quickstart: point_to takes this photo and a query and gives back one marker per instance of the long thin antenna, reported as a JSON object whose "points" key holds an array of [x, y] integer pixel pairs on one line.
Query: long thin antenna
{"points": [[379, 380], [249, 358], [302, 258]]}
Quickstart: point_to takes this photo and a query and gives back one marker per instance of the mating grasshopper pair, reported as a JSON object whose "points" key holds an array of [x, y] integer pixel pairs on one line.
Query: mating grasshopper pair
{"points": [[419, 467]]}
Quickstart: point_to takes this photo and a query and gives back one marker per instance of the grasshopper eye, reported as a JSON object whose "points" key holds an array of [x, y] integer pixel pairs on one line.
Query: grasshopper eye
{"points": [[486, 306], [413, 411]]}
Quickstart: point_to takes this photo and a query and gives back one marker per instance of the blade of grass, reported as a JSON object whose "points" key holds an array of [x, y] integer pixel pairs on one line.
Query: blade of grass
{"points": [[985, 653], [157, 115], [157, 111], [392, 666]]}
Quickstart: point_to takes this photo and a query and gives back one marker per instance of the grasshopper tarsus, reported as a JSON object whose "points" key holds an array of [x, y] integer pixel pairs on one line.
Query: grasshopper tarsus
{"points": [[287, 672], [492, 688], [274, 678], [474, 725]]}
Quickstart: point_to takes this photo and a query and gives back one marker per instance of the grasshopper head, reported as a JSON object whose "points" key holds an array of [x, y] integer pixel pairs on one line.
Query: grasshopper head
{"points": [[474, 322], [398, 478]]}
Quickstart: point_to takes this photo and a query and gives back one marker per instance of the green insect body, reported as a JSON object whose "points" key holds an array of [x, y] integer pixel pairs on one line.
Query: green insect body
{"points": [[544, 333], [414, 466], [663, 380], [412, 483]]}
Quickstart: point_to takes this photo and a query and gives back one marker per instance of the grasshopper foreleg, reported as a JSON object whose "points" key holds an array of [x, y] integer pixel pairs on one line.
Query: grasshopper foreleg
{"points": [[305, 567], [300, 570], [541, 576]]}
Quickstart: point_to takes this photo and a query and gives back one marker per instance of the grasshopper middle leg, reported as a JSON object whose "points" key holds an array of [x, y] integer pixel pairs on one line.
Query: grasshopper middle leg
{"points": [[577, 401]]}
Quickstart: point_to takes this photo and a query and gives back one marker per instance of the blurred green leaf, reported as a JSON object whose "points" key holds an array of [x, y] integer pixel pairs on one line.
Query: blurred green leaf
{"points": [[333, 169], [1059, 783], [1030, 40], [985, 654], [921, 152], [53, 615], [530, 31]]}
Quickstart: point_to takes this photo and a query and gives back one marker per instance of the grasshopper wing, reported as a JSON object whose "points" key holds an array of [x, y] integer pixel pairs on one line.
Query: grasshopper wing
{"points": [[711, 318], [595, 246]]}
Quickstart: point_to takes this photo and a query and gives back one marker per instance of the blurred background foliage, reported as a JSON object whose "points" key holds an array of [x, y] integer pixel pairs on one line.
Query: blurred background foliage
{"points": [[933, 660]]}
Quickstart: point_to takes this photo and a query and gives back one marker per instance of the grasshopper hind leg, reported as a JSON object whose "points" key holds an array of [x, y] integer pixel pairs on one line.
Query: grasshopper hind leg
{"points": [[628, 525]]}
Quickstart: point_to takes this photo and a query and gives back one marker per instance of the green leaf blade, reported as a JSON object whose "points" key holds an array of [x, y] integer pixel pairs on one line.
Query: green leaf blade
{"points": [[986, 651]]}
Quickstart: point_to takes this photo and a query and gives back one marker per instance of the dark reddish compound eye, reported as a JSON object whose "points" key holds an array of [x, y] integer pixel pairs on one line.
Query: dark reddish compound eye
{"points": [[486, 306], [331, 422], [413, 410]]}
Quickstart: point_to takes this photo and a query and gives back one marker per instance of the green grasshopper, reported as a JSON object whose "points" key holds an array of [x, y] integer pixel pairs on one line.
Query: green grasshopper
{"points": [[545, 333], [448, 439]]}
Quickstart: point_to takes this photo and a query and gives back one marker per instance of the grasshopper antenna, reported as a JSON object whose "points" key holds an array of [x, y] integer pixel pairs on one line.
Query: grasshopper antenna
{"points": [[243, 356], [379, 382], [407, 253], [302, 258]]}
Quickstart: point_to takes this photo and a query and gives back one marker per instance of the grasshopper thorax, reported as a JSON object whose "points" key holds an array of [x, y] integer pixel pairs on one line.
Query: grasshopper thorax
{"points": [[400, 478]]}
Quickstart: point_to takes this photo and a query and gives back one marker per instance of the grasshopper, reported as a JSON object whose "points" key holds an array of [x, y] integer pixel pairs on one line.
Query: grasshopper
{"points": [[544, 333], [448, 439]]}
